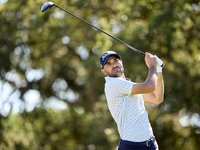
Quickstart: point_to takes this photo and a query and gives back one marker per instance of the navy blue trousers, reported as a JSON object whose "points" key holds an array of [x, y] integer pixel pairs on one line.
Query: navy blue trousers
{"points": [[126, 146]]}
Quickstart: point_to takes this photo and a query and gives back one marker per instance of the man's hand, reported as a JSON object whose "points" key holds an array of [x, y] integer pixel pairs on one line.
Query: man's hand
{"points": [[151, 60]]}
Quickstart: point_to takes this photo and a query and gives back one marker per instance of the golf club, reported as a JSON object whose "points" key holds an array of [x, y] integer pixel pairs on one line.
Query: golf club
{"points": [[49, 5]]}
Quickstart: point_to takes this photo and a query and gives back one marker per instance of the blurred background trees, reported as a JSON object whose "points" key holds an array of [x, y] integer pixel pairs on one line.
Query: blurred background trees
{"points": [[51, 86]]}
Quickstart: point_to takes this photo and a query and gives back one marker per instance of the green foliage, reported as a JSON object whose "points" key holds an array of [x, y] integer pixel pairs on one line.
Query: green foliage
{"points": [[69, 129], [56, 56]]}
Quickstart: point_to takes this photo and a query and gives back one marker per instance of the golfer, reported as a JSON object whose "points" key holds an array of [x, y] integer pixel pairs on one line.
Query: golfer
{"points": [[126, 100]]}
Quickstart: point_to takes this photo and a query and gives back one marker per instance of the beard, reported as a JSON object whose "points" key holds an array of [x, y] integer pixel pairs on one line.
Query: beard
{"points": [[116, 72]]}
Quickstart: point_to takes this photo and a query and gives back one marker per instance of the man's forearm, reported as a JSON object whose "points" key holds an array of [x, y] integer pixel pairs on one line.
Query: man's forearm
{"points": [[152, 77], [148, 86], [159, 92]]}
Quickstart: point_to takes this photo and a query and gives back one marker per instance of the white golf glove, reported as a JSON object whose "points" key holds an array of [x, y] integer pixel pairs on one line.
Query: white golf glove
{"points": [[159, 64]]}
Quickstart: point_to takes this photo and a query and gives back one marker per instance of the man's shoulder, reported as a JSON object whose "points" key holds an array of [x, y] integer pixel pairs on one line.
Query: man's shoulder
{"points": [[115, 82], [112, 82]]}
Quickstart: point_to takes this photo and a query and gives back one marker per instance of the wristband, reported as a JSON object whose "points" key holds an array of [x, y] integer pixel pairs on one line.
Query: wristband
{"points": [[159, 69]]}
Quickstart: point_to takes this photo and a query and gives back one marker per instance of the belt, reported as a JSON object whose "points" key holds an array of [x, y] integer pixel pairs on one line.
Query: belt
{"points": [[145, 143]]}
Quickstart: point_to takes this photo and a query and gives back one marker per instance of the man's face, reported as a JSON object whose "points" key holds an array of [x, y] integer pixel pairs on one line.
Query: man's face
{"points": [[113, 67]]}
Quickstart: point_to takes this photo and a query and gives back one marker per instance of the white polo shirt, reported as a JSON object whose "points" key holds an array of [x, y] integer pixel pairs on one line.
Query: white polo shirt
{"points": [[127, 110]]}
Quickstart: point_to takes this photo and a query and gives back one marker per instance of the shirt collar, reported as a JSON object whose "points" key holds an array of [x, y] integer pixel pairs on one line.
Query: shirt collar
{"points": [[108, 78]]}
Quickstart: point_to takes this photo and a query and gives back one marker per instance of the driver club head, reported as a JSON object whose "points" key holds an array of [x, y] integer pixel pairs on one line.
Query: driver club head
{"points": [[47, 5]]}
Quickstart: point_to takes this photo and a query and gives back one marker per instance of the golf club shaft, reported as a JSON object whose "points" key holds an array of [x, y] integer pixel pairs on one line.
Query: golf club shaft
{"points": [[136, 50], [49, 5]]}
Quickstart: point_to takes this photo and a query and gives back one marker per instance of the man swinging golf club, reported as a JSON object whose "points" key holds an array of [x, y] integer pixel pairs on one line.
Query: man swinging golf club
{"points": [[126, 100]]}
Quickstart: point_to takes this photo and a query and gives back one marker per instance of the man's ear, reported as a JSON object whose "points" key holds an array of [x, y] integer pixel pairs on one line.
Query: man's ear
{"points": [[102, 70]]}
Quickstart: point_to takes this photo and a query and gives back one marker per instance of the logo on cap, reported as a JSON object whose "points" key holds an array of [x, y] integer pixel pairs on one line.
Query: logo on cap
{"points": [[105, 55]]}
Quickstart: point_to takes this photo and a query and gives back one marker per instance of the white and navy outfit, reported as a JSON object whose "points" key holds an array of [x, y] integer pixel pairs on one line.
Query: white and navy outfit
{"points": [[130, 114]]}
